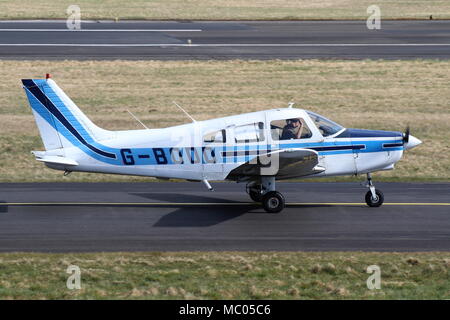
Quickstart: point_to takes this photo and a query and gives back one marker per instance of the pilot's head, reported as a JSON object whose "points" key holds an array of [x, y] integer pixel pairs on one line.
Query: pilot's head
{"points": [[294, 122]]}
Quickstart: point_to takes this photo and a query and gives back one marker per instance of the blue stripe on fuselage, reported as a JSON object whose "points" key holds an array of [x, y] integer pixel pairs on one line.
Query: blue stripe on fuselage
{"points": [[363, 133], [370, 146]]}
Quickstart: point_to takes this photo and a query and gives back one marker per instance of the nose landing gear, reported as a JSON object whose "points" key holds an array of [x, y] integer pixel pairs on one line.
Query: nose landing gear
{"points": [[374, 197]]}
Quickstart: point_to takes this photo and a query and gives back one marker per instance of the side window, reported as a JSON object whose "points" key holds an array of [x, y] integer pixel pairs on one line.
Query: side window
{"points": [[252, 132], [218, 136], [288, 129]]}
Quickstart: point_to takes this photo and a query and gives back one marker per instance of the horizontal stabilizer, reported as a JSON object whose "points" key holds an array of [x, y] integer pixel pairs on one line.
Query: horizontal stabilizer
{"points": [[55, 159]]}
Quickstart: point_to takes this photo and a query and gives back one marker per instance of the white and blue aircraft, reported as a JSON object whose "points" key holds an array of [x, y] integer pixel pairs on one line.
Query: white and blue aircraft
{"points": [[257, 148]]}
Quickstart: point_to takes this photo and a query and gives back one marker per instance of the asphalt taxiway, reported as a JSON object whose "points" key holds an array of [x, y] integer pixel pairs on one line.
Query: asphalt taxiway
{"points": [[75, 217]]}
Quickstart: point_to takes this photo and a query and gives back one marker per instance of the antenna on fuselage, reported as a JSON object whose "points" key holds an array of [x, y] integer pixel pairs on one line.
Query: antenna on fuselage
{"points": [[185, 112], [136, 118], [291, 104]]}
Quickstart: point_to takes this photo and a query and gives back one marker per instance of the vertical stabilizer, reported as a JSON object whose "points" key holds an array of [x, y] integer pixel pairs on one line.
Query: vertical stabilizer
{"points": [[61, 123]]}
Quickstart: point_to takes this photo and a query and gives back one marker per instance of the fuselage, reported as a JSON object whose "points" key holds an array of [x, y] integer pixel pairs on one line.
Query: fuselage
{"points": [[211, 149]]}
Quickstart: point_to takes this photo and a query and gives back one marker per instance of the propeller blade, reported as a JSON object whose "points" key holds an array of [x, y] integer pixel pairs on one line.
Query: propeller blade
{"points": [[406, 135]]}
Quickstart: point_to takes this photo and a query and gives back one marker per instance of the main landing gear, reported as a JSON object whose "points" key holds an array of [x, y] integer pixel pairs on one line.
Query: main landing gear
{"points": [[374, 197], [272, 200]]}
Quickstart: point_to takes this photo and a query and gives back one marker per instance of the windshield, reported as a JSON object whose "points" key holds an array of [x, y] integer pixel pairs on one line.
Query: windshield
{"points": [[325, 126]]}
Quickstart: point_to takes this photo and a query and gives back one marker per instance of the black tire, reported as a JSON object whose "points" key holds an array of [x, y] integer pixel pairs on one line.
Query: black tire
{"points": [[374, 202], [273, 202], [255, 195]]}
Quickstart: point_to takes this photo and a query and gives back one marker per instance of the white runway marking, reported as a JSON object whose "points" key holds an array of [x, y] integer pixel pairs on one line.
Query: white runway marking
{"points": [[102, 30], [224, 45]]}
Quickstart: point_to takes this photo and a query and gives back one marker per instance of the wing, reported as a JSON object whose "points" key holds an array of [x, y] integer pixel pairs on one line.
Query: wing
{"points": [[285, 163]]}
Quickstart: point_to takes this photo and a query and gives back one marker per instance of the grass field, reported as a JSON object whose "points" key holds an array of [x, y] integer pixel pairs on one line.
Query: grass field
{"points": [[384, 95], [227, 275], [224, 9]]}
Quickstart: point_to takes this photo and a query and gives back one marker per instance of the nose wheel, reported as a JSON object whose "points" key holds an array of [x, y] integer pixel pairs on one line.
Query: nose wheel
{"points": [[374, 197], [374, 201]]}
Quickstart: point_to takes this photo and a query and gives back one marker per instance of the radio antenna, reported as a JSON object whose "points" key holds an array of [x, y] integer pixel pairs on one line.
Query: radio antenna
{"points": [[185, 112], [136, 118]]}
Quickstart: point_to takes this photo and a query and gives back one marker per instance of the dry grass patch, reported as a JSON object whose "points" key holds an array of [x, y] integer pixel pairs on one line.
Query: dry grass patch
{"points": [[43, 276], [224, 9], [385, 95]]}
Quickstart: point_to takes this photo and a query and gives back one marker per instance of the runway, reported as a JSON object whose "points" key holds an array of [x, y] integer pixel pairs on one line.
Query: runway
{"points": [[78, 217], [181, 40]]}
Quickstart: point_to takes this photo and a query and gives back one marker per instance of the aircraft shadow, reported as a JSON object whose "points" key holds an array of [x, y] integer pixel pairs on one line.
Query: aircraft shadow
{"points": [[206, 216], [194, 216], [197, 215], [172, 197]]}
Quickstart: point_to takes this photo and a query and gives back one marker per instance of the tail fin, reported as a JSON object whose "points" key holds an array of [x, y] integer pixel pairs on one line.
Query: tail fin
{"points": [[61, 123]]}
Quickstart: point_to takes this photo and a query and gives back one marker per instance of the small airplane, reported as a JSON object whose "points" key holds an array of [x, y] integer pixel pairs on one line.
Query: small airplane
{"points": [[257, 148]]}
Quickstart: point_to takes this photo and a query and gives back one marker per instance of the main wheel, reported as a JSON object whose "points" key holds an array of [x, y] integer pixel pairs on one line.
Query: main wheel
{"points": [[255, 195], [273, 201], [378, 201]]}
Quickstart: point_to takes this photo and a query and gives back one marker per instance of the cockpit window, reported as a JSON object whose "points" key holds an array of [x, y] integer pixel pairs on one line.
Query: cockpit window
{"points": [[325, 126], [287, 129]]}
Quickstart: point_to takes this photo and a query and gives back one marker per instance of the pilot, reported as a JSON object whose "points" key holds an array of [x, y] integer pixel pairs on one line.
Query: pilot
{"points": [[292, 130]]}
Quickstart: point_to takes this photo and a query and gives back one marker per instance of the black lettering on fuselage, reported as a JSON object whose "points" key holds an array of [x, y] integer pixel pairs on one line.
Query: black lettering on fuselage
{"points": [[192, 155], [176, 154], [209, 155], [160, 156]]}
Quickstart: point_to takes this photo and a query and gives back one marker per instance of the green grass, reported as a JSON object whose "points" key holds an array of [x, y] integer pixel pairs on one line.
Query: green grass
{"points": [[226, 275], [224, 9], [385, 95]]}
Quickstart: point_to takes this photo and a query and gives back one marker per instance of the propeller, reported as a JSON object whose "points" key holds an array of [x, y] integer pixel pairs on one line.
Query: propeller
{"points": [[406, 135]]}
